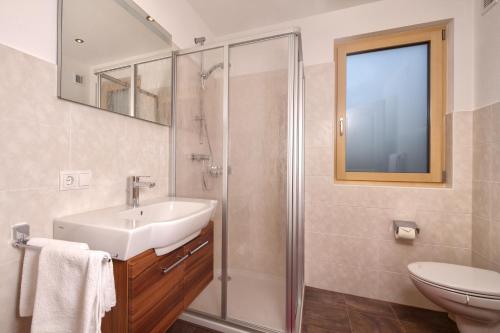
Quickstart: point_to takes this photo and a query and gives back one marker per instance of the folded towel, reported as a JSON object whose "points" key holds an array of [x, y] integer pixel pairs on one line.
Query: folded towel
{"points": [[30, 269], [74, 289]]}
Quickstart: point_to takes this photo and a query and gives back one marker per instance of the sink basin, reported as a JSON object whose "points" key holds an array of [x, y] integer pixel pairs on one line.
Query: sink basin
{"points": [[162, 224]]}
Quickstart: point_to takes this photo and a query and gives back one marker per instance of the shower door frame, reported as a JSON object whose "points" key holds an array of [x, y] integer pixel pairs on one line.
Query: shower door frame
{"points": [[295, 178]]}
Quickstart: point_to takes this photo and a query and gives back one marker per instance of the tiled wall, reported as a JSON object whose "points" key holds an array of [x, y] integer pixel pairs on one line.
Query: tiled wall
{"points": [[40, 135], [350, 245], [486, 188]]}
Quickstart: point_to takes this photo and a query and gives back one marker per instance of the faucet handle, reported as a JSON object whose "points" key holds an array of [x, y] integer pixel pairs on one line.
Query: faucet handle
{"points": [[137, 178], [136, 181]]}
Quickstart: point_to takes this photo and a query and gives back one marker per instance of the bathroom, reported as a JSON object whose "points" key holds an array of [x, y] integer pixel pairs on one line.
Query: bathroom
{"points": [[283, 214]]}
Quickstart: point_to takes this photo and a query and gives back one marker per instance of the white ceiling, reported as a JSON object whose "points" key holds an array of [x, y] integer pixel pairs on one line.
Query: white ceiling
{"points": [[230, 16]]}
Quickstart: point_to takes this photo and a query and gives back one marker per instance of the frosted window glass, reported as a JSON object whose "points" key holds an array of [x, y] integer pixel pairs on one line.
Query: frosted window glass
{"points": [[387, 110]]}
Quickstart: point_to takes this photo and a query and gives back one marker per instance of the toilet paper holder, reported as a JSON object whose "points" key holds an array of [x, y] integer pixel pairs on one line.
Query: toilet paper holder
{"points": [[405, 224]]}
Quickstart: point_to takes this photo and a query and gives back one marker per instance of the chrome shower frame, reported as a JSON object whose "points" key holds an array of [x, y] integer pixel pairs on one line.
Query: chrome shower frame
{"points": [[295, 180]]}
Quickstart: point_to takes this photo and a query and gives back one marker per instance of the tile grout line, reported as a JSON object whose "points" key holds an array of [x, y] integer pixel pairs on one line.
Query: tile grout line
{"points": [[347, 312], [403, 329]]}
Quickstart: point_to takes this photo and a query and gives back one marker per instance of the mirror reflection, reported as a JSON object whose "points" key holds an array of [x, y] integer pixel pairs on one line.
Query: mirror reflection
{"points": [[114, 56]]}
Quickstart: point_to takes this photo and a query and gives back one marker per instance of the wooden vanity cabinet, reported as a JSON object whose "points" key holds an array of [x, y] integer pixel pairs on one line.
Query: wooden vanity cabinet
{"points": [[152, 291]]}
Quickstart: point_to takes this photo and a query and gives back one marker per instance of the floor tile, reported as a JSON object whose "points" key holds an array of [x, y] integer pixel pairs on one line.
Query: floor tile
{"points": [[333, 318], [417, 320], [325, 297], [327, 311], [426, 327], [369, 323], [181, 326], [369, 306], [316, 329]]}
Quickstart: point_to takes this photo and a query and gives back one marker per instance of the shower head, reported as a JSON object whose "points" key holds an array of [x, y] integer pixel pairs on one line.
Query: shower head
{"points": [[205, 75]]}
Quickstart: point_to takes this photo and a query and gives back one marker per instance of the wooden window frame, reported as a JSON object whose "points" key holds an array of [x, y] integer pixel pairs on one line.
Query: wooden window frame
{"points": [[435, 36]]}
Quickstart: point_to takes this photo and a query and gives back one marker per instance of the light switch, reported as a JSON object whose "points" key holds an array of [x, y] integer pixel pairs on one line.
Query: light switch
{"points": [[84, 179], [74, 179]]}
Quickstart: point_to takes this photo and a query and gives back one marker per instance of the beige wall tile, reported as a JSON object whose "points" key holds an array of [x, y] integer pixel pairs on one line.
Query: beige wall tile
{"points": [[32, 154], [483, 128], [345, 279], [462, 164], [495, 122], [318, 134], [486, 188], [443, 228], [480, 234], [42, 135], [482, 161], [479, 261], [495, 202], [22, 76], [398, 288], [319, 88], [495, 161], [396, 255], [9, 294], [319, 161], [342, 250], [461, 131], [494, 235], [481, 202]]}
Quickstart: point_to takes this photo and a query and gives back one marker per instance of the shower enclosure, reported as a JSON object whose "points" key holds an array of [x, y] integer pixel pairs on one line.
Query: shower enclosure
{"points": [[237, 137]]}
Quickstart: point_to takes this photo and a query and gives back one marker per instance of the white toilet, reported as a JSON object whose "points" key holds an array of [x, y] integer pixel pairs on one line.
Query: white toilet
{"points": [[470, 295]]}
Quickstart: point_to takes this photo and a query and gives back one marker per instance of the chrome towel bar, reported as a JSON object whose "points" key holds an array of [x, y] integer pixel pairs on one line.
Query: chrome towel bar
{"points": [[20, 238]]}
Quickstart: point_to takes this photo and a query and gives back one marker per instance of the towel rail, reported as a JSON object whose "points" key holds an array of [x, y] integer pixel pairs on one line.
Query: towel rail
{"points": [[20, 237], [23, 245]]}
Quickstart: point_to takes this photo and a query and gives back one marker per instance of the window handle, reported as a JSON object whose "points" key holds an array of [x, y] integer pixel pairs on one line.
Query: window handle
{"points": [[341, 126]]}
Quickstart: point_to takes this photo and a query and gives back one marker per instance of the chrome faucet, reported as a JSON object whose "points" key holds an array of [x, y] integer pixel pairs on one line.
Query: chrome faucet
{"points": [[134, 183]]}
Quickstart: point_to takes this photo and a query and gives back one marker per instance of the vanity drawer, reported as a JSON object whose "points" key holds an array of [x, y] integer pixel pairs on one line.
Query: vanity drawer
{"points": [[199, 265], [148, 290], [164, 310], [150, 275]]}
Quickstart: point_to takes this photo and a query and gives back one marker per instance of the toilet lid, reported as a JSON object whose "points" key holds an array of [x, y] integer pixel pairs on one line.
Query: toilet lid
{"points": [[461, 278]]}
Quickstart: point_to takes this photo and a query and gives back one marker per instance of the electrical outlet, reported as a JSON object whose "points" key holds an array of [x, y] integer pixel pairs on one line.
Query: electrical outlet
{"points": [[74, 179]]}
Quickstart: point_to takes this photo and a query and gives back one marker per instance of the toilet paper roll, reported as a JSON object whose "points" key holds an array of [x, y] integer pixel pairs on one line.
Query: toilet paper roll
{"points": [[405, 233]]}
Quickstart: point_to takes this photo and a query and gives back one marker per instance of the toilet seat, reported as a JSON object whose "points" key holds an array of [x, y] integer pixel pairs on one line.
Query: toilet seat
{"points": [[461, 284]]}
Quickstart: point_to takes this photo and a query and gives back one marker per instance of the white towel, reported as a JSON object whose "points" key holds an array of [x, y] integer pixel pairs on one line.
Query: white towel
{"points": [[74, 289], [30, 269]]}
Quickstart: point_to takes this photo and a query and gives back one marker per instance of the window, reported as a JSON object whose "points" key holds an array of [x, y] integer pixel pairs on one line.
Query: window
{"points": [[390, 107]]}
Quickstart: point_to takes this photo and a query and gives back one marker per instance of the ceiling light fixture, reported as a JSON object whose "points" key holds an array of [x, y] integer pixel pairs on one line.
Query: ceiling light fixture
{"points": [[79, 40], [150, 19]]}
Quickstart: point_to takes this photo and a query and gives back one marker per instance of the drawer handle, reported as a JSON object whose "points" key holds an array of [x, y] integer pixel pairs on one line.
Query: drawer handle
{"points": [[199, 247], [177, 263]]}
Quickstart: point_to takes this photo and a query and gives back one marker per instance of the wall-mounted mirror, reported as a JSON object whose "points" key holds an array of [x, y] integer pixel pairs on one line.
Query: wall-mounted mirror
{"points": [[114, 56]]}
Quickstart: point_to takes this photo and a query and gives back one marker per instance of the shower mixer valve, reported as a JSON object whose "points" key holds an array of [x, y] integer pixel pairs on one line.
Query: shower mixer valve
{"points": [[214, 170]]}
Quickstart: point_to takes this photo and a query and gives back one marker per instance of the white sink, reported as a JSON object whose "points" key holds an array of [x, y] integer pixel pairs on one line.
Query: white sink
{"points": [[161, 224]]}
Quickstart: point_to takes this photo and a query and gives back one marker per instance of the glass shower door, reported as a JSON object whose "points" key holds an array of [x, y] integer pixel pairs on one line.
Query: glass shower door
{"points": [[198, 153], [257, 183], [236, 138]]}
